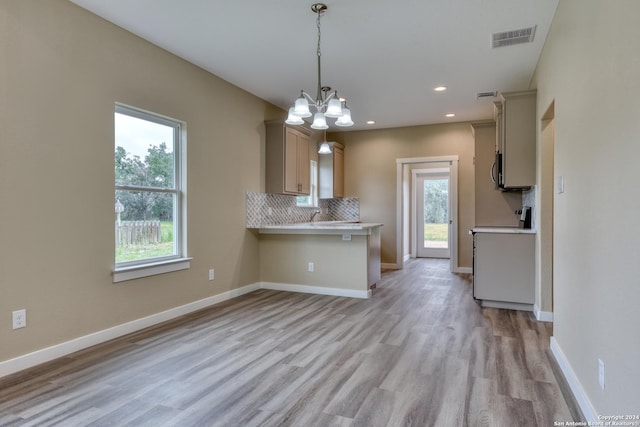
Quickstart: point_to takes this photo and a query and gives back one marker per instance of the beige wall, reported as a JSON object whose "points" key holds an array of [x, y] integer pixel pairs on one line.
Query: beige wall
{"points": [[544, 236], [62, 71], [590, 69], [370, 174]]}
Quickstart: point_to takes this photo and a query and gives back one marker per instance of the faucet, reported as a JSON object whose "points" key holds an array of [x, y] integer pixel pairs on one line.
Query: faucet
{"points": [[313, 215]]}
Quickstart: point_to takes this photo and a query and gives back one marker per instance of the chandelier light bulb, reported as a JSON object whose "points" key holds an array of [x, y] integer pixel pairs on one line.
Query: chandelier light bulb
{"points": [[319, 122], [334, 108], [301, 108], [325, 148], [293, 119], [345, 119]]}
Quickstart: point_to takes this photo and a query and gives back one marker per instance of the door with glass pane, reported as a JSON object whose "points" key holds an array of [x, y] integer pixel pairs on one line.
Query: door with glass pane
{"points": [[432, 215]]}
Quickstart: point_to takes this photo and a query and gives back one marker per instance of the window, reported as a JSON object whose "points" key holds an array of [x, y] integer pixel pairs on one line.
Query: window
{"points": [[149, 190], [312, 198]]}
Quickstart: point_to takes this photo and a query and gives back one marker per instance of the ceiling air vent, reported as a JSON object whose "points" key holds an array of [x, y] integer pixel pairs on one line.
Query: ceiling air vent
{"points": [[491, 94], [508, 38]]}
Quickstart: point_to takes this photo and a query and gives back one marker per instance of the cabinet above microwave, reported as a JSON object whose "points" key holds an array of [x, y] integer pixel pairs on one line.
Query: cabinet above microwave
{"points": [[515, 116]]}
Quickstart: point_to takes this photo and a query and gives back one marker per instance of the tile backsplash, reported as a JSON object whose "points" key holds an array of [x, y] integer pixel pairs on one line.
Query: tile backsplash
{"points": [[275, 209]]}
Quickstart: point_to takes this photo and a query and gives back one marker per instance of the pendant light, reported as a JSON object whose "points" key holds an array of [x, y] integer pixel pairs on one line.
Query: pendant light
{"points": [[327, 102], [325, 148]]}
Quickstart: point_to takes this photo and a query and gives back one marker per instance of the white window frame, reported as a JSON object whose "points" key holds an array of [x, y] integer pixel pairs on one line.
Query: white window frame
{"points": [[178, 261], [313, 187]]}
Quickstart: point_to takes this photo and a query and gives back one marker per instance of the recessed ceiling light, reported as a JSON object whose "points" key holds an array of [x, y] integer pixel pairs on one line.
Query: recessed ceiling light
{"points": [[371, 122], [440, 88], [450, 115]]}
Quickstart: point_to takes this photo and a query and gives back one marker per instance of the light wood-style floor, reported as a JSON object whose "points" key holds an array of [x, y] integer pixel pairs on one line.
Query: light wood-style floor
{"points": [[421, 352]]}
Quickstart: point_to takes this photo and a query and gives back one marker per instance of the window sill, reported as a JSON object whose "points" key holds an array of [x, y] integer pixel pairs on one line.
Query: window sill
{"points": [[144, 270]]}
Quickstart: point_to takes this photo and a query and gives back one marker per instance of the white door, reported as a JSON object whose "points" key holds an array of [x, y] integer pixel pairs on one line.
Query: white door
{"points": [[433, 217]]}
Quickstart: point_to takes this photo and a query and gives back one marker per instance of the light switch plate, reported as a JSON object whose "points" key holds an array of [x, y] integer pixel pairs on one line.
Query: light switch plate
{"points": [[560, 184]]}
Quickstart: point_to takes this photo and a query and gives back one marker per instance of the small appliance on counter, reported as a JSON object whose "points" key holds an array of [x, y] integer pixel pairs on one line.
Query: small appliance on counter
{"points": [[525, 217]]}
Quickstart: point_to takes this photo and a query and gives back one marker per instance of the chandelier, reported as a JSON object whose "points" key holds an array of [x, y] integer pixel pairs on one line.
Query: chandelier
{"points": [[327, 102]]}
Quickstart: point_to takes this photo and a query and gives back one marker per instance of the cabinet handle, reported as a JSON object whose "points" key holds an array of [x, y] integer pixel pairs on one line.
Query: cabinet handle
{"points": [[491, 172]]}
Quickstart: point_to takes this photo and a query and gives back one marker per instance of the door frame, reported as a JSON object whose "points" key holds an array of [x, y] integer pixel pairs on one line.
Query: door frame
{"points": [[403, 196], [416, 175]]}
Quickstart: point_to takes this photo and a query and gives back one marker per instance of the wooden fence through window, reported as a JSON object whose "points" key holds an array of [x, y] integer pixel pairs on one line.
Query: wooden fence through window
{"points": [[136, 233]]}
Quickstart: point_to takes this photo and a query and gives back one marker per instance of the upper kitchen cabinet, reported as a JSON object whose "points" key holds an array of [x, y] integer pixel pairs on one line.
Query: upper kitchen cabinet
{"points": [[332, 172], [492, 207], [515, 116], [287, 159]]}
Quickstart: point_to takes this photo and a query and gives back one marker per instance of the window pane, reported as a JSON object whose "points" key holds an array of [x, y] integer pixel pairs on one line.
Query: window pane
{"points": [[436, 213], [311, 199], [143, 152], [303, 200], [144, 225]]}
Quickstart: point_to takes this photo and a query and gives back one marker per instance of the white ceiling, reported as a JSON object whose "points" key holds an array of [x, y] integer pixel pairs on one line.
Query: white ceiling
{"points": [[384, 57]]}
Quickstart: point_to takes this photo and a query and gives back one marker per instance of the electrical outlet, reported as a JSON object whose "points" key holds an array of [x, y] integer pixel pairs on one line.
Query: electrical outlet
{"points": [[346, 237], [601, 373], [310, 267], [19, 319], [212, 274]]}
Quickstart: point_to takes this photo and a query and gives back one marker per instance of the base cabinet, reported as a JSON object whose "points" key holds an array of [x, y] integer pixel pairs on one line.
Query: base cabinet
{"points": [[504, 268]]}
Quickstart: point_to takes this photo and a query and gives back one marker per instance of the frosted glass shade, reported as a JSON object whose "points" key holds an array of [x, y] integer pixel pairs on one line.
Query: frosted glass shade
{"points": [[293, 119], [319, 122], [345, 119], [301, 108], [325, 148], [334, 109]]}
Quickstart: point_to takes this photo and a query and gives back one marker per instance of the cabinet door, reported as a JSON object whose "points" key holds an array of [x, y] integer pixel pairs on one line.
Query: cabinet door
{"points": [[338, 172], [304, 167], [504, 267], [497, 116], [518, 139], [291, 162]]}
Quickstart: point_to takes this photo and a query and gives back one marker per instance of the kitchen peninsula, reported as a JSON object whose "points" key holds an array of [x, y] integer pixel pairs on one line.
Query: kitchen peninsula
{"points": [[330, 257]]}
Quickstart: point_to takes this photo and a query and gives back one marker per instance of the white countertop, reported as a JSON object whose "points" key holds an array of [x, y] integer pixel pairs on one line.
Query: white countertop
{"points": [[321, 227], [503, 230]]}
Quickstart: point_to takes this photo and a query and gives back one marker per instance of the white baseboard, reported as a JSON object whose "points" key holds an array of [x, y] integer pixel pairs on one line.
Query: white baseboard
{"points": [[59, 350], [507, 305], [466, 270], [390, 266], [542, 316], [406, 258], [306, 289], [576, 388]]}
